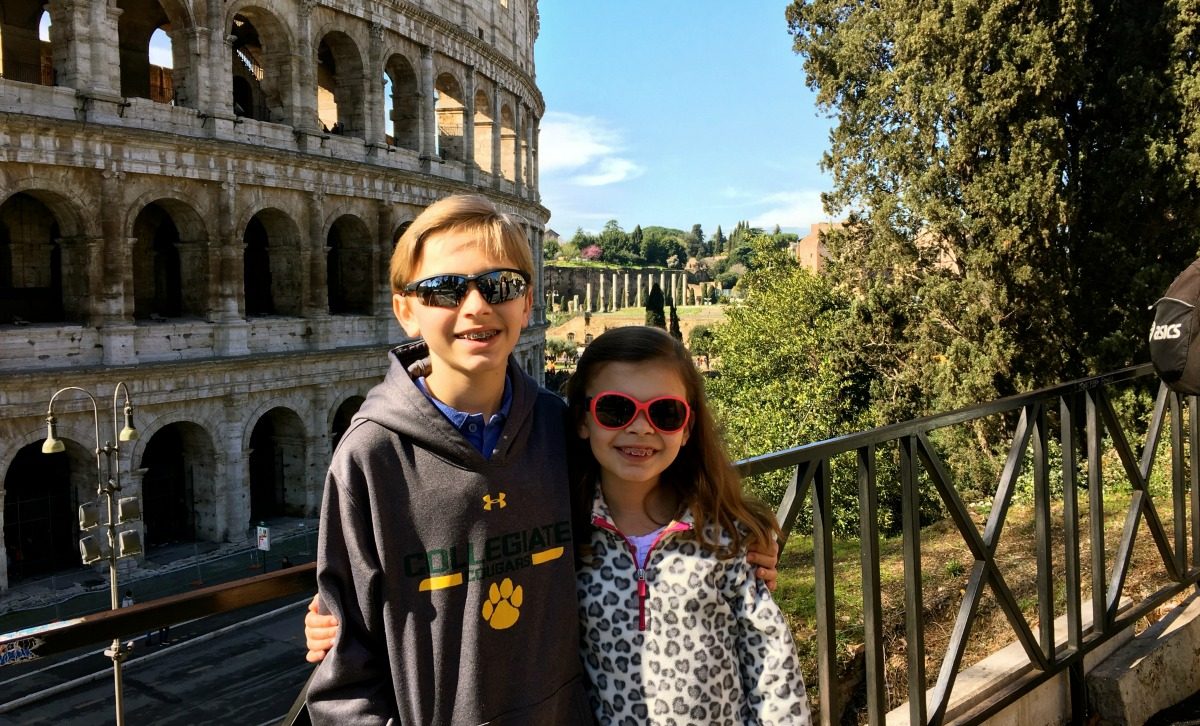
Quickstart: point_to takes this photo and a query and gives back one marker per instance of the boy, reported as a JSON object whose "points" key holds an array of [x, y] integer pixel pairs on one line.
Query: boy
{"points": [[445, 545]]}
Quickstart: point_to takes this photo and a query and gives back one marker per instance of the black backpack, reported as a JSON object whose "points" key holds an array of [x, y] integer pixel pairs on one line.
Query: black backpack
{"points": [[1175, 333]]}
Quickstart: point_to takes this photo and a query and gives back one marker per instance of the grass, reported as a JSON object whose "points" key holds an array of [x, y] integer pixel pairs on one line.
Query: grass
{"points": [[946, 566]]}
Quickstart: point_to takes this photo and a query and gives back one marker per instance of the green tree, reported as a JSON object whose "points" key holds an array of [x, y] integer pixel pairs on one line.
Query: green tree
{"points": [[700, 340], [659, 244], [655, 314], [551, 249], [695, 241], [615, 246], [781, 383], [716, 245], [1021, 181], [674, 329]]}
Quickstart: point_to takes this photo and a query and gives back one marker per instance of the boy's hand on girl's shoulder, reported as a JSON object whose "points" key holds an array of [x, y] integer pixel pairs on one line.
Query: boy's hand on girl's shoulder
{"points": [[319, 631], [765, 560]]}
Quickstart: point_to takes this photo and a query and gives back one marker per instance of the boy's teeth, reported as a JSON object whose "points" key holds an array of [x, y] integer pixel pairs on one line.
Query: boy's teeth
{"points": [[479, 336]]}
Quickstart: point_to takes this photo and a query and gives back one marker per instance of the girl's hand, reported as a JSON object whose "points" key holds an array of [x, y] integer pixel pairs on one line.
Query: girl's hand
{"points": [[765, 558], [319, 631]]}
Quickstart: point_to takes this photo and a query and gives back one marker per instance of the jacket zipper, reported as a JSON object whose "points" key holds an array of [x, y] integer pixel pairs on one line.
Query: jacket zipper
{"points": [[640, 574]]}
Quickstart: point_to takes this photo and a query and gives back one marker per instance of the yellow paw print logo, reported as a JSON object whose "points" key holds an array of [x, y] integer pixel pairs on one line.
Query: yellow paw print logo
{"points": [[503, 604]]}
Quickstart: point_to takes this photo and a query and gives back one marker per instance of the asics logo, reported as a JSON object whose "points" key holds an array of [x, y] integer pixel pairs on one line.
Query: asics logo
{"points": [[1165, 332]]}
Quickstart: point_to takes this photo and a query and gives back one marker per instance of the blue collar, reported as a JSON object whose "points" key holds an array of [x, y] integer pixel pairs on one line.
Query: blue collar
{"points": [[483, 435]]}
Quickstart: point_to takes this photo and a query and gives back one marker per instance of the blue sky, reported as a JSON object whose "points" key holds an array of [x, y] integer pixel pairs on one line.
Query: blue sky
{"points": [[673, 113]]}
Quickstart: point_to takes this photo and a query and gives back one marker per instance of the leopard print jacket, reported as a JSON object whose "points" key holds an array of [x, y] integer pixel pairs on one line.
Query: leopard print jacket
{"points": [[692, 639]]}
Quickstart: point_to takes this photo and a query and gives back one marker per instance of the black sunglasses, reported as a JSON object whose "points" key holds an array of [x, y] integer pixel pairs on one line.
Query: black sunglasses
{"points": [[615, 410], [448, 291]]}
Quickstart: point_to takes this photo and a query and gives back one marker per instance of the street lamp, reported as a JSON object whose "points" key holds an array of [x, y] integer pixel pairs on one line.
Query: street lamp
{"points": [[121, 510]]}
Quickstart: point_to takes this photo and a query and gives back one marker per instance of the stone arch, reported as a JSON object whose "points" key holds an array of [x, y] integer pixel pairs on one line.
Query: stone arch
{"points": [[170, 260], [483, 130], [179, 492], [508, 143], [271, 264], [261, 64], [64, 202], [450, 110], [348, 266], [277, 464], [42, 493], [340, 416], [136, 26], [24, 56], [43, 270], [340, 90], [403, 107]]}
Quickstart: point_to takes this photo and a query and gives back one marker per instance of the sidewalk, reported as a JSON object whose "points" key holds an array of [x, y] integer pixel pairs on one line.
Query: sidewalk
{"points": [[164, 571]]}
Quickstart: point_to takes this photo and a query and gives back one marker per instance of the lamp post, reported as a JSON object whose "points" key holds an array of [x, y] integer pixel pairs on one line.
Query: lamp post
{"points": [[125, 543]]}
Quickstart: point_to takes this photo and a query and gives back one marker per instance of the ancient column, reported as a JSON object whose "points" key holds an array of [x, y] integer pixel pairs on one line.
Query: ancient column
{"points": [[428, 110]]}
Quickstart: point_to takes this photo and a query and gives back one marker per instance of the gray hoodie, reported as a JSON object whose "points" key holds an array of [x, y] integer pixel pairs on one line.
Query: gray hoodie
{"points": [[452, 574]]}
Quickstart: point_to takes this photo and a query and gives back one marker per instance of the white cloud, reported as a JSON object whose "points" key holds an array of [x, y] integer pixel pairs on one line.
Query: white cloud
{"points": [[790, 210], [583, 148], [609, 171]]}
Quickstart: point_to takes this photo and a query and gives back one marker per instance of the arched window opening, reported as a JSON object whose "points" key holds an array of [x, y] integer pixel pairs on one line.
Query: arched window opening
{"points": [[179, 503], [450, 121], [31, 275], [261, 68], [341, 419], [139, 22], [277, 466], [483, 132], [403, 108], [508, 144], [41, 531], [170, 262], [162, 68], [26, 54], [257, 270], [157, 271], [271, 265], [348, 267], [340, 85]]}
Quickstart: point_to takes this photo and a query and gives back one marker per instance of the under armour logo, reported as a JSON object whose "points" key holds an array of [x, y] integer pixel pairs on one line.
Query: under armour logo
{"points": [[489, 501]]}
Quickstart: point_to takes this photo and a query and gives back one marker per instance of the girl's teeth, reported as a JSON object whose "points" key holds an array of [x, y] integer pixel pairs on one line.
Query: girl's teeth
{"points": [[638, 452]]}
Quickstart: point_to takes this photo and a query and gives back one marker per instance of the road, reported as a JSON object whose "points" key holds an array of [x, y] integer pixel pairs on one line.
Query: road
{"points": [[244, 667]]}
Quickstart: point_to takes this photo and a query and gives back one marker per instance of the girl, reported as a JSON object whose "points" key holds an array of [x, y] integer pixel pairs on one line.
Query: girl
{"points": [[676, 628]]}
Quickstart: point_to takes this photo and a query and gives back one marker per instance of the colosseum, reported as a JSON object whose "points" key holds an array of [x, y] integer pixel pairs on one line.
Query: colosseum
{"points": [[198, 199]]}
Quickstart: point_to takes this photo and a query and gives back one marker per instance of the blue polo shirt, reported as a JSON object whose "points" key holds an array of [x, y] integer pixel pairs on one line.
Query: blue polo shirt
{"points": [[483, 435]]}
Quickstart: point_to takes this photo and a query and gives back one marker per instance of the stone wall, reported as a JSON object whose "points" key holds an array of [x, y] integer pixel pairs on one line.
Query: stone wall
{"points": [[227, 261]]}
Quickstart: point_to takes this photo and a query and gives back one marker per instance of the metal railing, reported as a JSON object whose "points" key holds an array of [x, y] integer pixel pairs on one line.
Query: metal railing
{"points": [[1082, 407], [61, 636], [1088, 426]]}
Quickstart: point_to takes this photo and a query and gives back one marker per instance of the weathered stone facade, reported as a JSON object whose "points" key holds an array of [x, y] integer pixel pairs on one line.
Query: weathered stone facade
{"points": [[216, 235]]}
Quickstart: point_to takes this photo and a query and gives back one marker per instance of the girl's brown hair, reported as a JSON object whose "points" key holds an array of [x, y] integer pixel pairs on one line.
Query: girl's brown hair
{"points": [[702, 478]]}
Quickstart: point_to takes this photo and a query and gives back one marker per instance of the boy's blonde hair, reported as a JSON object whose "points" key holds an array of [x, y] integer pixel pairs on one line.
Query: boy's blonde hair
{"points": [[496, 234]]}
